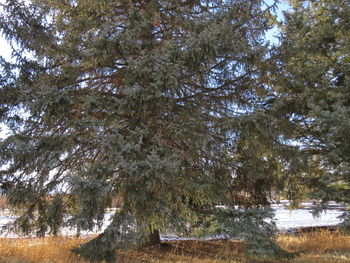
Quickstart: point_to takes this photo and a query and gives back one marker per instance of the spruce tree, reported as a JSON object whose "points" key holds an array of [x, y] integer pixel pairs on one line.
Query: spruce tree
{"points": [[313, 82], [162, 105]]}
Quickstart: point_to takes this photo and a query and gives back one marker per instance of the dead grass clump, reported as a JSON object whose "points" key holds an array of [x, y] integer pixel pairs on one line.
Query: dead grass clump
{"points": [[319, 242], [3, 203], [49, 249]]}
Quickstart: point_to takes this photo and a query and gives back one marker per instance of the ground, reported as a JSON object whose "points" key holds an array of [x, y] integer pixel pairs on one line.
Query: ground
{"points": [[317, 247]]}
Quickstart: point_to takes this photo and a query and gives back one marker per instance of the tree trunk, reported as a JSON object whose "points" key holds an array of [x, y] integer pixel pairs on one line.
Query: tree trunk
{"points": [[153, 239]]}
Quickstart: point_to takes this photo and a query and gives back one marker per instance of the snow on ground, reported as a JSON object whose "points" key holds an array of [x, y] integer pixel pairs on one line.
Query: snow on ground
{"points": [[286, 219]]}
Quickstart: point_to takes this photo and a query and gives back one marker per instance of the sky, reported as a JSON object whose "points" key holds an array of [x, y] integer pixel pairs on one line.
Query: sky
{"points": [[5, 50], [282, 6]]}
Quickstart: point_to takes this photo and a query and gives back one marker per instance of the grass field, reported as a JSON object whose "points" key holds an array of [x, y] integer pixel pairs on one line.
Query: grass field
{"points": [[318, 247]]}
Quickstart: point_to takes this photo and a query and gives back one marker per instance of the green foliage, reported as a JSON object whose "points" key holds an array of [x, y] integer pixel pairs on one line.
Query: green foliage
{"points": [[260, 237], [313, 70], [103, 246], [171, 107]]}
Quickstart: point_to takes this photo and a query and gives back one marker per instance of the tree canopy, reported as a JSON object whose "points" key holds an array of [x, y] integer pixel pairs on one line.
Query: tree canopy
{"points": [[313, 75], [173, 108]]}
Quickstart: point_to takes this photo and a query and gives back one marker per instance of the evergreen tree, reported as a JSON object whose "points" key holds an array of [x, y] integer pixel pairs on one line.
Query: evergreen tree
{"points": [[313, 82], [163, 105]]}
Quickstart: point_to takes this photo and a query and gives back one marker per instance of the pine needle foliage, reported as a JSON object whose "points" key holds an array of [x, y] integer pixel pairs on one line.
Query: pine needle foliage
{"points": [[162, 105], [313, 66]]}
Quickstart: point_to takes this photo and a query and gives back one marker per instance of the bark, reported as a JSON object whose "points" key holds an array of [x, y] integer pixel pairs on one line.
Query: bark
{"points": [[153, 239]]}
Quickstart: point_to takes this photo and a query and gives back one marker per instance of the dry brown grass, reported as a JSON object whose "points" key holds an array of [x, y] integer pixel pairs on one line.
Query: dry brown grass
{"points": [[318, 247], [3, 202], [50, 249], [57, 250], [320, 242], [215, 251]]}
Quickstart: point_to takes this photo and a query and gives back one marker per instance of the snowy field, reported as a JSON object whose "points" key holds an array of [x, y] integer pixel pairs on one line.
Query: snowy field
{"points": [[286, 219]]}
